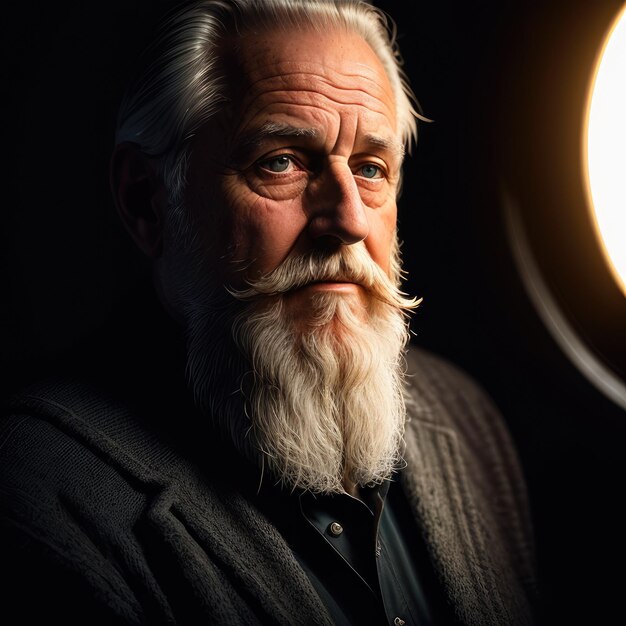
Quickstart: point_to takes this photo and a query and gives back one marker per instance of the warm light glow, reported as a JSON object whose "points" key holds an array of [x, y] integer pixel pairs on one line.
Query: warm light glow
{"points": [[606, 149]]}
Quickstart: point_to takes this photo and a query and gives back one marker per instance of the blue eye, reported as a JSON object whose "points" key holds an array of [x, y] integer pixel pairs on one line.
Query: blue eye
{"points": [[277, 164], [369, 170]]}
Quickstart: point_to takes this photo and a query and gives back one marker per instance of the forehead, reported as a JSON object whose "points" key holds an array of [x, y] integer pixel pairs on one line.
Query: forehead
{"points": [[319, 78]]}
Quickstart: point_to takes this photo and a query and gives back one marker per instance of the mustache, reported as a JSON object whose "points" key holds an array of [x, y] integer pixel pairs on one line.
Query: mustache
{"points": [[351, 264]]}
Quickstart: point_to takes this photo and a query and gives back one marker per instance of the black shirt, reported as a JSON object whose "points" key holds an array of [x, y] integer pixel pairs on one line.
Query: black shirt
{"points": [[362, 555]]}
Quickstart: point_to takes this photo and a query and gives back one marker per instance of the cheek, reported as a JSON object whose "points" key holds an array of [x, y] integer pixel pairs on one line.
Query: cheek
{"points": [[263, 230], [382, 235]]}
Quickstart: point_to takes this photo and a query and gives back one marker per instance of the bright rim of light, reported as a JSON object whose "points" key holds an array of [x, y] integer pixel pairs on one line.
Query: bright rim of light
{"points": [[606, 149]]}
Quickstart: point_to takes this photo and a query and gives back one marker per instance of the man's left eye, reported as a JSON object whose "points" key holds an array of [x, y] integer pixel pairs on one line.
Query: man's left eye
{"points": [[277, 164], [369, 170]]}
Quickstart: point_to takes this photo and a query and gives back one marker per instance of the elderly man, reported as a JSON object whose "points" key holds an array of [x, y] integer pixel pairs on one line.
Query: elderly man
{"points": [[308, 469]]}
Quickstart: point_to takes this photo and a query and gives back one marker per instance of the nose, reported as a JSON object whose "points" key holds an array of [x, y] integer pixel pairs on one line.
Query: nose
{"points": [[336, 209]]}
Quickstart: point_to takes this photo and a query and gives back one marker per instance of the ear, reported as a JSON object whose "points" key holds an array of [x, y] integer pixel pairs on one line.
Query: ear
{"points": [[140, 197]]}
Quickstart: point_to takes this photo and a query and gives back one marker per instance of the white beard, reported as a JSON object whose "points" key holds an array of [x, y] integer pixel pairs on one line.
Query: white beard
{"points": [[320, 399]]}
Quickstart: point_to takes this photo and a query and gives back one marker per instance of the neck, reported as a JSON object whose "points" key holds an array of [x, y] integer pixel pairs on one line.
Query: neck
{"points": [[351, 488]]}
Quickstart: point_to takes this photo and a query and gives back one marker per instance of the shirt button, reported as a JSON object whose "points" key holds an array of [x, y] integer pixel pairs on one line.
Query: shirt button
{"points": [[398, 621], [335, 529]]}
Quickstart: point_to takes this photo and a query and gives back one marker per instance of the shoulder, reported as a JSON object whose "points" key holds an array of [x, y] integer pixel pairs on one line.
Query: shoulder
{"points": [[67, 449], [460, 422], [101, 420], [64, 418], [442, 395], [438, 383], [455, 429], [103, 402], [442, 398], [58, 439]]}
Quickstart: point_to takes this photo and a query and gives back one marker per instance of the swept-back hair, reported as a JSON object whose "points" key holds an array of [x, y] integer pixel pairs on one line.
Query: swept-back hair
{"points": [[183, 81]]}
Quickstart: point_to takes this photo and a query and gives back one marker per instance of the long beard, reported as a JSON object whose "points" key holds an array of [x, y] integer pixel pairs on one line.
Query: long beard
{"points": [[318, 401]]}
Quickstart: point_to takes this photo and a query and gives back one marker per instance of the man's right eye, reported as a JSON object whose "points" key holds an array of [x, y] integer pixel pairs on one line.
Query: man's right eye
{"points": [[277, 164]]}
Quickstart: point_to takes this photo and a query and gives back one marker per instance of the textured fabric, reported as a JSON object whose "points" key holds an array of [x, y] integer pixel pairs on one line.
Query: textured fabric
{"points": [[106, 518]]}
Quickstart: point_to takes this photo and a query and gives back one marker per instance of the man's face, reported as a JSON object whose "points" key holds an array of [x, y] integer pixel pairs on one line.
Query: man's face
{"points": [[291, 201], [307, 157]]}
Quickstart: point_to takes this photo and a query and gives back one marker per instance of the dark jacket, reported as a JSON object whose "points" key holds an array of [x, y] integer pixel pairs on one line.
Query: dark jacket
{"points": [[114, 510]]}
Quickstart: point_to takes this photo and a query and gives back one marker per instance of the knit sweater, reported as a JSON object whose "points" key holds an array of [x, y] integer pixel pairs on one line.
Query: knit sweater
{"points": [[110, 518]]}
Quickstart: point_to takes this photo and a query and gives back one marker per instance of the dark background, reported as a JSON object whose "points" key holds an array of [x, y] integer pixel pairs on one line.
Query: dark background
{"points": [[506, 85]]}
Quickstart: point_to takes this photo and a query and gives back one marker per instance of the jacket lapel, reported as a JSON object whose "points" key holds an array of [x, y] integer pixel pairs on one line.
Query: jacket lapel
{"points": [[238, 565]]}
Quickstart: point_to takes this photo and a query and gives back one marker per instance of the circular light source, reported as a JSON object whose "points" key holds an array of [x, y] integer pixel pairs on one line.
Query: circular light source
{"points": [[606, 149]]}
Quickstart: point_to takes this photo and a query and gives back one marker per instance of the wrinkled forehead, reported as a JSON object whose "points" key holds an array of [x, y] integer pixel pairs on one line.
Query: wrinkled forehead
{"points": [[336, 68]]}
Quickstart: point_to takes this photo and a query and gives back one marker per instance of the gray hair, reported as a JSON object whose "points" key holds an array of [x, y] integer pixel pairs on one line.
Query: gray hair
{"points": [[183, 82]]}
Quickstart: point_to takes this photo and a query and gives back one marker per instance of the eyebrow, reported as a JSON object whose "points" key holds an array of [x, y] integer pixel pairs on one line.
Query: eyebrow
{"points": [[254, 139], [391, 145]]}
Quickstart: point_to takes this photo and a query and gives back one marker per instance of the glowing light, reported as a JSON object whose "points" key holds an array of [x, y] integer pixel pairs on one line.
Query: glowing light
{"points": [[606, 149]]}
